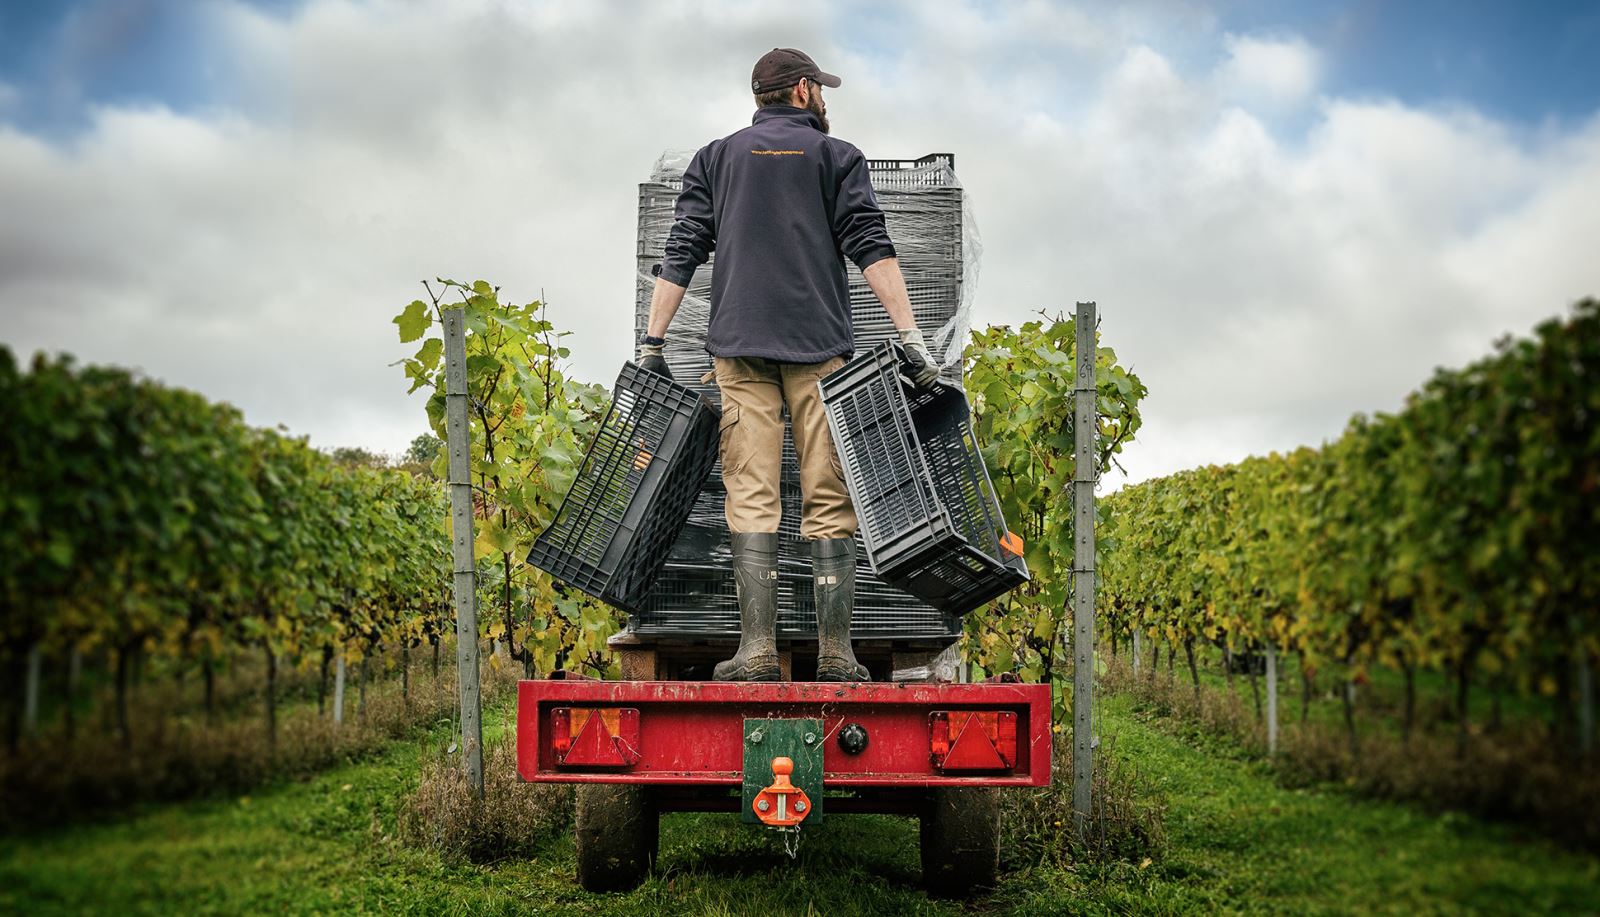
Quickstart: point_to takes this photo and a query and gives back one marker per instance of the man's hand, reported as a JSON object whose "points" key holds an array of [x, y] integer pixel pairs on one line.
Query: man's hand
{"points": [[924, 371], [651, 360], [889, 285]]}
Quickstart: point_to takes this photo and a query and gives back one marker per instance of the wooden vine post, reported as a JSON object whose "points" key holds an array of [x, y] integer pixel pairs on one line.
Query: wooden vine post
{"points": [[30, 691], [338, 689], [1272, 698], [1585, 705], [1084, 427], [459, 444]]}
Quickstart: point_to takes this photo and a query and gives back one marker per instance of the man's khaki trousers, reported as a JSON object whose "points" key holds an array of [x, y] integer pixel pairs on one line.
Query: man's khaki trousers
{"points": [[754, 392]]}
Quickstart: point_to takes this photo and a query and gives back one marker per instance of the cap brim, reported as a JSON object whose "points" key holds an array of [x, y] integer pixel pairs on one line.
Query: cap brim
{"points": [[828, 80]]}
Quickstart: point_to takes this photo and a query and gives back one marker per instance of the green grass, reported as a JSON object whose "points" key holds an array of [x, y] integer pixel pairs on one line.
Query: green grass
{"points": [[1238, 842]]}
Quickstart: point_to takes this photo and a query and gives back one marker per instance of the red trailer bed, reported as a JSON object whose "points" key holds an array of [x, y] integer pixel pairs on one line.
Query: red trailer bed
{"points": [[692, 733], [940, 752]]}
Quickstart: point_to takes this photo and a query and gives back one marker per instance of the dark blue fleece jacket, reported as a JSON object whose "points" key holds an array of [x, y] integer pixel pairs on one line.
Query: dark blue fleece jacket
{"points": [[782, 204]]}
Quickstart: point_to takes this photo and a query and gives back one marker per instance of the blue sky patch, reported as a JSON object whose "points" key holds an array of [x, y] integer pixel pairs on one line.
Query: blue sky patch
{"points": [[1521, 62]]}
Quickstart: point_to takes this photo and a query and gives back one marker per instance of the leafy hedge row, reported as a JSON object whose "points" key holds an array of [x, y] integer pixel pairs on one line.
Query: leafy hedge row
{"points": [[145, 521], [1459, 534]]}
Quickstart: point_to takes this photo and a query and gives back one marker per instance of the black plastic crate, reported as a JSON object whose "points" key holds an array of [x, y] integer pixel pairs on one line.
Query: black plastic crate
{"points": [[928, 514], [634, 490]]}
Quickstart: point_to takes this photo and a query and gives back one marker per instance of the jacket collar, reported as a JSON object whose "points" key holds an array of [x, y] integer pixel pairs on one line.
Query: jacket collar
{"points": [[785, 112]]}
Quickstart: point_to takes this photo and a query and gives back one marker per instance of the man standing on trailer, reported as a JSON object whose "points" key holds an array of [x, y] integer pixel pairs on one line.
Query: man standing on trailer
{"points": [[783, 204]]}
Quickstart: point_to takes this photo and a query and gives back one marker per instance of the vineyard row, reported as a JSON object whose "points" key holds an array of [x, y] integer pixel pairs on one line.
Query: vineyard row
{"points": [[139, 521], [1456, 535]]}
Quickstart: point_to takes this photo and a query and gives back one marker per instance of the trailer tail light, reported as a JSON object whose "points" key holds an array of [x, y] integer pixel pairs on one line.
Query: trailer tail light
{"points": [[595, 736], [965, 740]]}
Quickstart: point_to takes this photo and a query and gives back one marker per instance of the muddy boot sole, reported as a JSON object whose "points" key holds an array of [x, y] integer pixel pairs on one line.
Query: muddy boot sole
{"points": [[758, 669], [841, 670]]}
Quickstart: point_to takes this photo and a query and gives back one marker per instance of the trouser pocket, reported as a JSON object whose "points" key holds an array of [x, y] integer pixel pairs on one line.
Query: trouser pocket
{"points": [[735, 452]]}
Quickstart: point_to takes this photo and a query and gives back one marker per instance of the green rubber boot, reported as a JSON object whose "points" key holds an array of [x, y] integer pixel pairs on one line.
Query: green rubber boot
{"points": [[833, 569], [755, 573]]}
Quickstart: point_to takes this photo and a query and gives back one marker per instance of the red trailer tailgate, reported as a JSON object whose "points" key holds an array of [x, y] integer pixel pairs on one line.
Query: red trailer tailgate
{"points": [[690, 732]]}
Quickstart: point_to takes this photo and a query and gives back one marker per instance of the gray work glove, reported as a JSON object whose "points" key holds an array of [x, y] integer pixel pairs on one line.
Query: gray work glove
{"points": [[924, 372], [651, 360]]}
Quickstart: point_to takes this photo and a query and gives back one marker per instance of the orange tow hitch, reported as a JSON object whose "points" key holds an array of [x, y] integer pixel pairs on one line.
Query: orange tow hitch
{"points": [[781, 805]]}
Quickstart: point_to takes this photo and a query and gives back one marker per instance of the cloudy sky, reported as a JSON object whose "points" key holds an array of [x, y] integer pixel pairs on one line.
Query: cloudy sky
{"points": [[1288, 212]]}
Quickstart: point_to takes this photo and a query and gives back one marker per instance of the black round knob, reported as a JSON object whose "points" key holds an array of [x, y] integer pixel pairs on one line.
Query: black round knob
{"points": [[853, 738]]}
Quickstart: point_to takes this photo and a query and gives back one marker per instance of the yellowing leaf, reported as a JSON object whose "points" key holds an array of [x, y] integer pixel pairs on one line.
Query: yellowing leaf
{"points": [[413, 322]]}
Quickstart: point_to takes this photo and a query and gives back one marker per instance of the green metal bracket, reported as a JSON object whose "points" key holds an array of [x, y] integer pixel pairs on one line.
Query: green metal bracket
{"points": [[798, 740]]}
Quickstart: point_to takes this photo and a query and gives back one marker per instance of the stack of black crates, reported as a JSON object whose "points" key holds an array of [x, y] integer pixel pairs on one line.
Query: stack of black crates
{"points": [[694, 595]]}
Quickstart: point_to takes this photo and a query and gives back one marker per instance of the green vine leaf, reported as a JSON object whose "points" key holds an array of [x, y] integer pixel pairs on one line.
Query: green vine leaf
{"points": [[414, 321]]}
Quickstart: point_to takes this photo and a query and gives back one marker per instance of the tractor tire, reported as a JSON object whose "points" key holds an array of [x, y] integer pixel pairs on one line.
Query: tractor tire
{"points": [[961, 841], [616, 835]]}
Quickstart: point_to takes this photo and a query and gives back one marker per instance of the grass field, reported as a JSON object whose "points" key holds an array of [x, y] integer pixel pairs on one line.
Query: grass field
{"points": [[1238, 841]]}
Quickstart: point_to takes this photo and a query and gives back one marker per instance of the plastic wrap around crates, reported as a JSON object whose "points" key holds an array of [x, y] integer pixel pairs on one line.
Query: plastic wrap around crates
{"points": [[633, 491], [710, 508], [934, 301], [933, 284], [928, 514], [935, 170], [934, 194], [932, 305]]}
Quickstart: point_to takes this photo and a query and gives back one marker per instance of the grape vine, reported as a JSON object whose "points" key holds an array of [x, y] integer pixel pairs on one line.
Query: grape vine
{"points": [[1457, 535]]}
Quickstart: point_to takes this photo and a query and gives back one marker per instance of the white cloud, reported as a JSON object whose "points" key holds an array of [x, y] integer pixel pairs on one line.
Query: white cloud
{"points": [[1272, 73], [1266, 285]]}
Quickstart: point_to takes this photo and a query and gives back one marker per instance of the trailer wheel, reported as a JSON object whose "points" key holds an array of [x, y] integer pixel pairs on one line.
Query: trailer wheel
{"points": [[961, 841], [616, 835]]}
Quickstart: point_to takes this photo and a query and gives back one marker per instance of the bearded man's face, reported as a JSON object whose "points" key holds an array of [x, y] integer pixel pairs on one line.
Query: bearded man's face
{"points": [[816, 106]]}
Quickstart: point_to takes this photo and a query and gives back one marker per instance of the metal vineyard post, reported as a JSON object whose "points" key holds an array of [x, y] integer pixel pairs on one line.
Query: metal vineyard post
{"points": [[459, 444], [1083, 566]]}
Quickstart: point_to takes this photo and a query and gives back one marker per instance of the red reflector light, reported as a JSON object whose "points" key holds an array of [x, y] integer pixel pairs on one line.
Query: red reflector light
{"points": [[595, 736], [967, 740], [561, 731]]}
